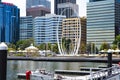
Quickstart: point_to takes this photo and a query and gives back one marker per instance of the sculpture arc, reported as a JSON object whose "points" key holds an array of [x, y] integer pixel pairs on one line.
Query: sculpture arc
{"points": [[76, 45]]}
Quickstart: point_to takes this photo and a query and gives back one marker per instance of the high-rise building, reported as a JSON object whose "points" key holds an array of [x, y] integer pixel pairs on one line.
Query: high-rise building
{"points": [[26, 27], [36, 8], [103, 21], [71, 30], [45, 28], [37, 11], [94, 0], [69, 8], [9, 22], [31, 3]]}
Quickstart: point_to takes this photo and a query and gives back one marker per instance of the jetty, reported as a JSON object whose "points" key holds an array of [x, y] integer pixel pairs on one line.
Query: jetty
{"points": [[66, 59]]}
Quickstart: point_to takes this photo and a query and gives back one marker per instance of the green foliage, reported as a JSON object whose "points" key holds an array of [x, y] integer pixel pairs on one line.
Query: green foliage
{"points": [[66, 44], [12, 46], [114, 46], [11, 49], [42, 46], [22, 44], [117, 41], [89, 47], [83, 47], [104, 46], [49, 46], [19, 54], [55, 48]]}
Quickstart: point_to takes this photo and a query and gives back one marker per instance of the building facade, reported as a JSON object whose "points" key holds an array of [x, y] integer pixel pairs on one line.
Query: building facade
{"points": [[26, 27], [71, 28], [45, 28], [103, 21], [31, 3], [37, 11], [69, 8], [36, 8], [9, 23]]}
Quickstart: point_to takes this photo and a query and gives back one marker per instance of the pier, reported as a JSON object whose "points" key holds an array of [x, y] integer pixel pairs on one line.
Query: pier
{"points": [[66, 59], [72, 72]]}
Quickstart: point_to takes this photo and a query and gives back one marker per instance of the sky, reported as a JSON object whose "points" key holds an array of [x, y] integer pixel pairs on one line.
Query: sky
{"points": [[22, 5]]}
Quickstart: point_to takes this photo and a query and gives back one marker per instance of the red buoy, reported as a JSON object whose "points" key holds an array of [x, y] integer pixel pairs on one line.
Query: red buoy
{"points": [[28, 75]]}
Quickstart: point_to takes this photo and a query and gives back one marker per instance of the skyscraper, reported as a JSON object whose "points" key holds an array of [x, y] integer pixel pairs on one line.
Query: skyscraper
{"points": [[26, 27], [69, 8], [71, 30], [94, 0], [103, 21], [9, 23], [31, 3], [45, 28], [36, 8]]}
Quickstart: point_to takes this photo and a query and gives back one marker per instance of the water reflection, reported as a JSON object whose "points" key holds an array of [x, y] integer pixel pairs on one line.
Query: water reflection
{"points": [[14, 67]]}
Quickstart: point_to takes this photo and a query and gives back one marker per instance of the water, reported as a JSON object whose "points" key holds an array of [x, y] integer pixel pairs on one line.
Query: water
{"points": [[14, 67]]}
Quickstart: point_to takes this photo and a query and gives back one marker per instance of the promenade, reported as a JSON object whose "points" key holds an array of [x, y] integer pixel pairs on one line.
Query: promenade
{"points": [[67, 59]]}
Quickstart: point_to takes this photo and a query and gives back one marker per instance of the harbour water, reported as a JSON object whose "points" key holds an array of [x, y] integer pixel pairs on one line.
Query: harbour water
{"points": [[14, 67]]}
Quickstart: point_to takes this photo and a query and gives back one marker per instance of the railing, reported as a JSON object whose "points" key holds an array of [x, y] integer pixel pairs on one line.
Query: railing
{"points": [[105, 73]]}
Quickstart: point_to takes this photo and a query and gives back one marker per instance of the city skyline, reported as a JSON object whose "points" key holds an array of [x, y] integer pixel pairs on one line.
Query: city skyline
{"points": [[22, 5]]}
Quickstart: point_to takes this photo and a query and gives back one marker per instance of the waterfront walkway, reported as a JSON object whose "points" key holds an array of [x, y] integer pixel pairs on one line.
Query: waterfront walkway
{"points": [[67, 59]]}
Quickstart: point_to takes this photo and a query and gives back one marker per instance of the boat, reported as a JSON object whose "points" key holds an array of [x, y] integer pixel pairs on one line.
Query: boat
{"points": [[112, 73], [39, 74]]}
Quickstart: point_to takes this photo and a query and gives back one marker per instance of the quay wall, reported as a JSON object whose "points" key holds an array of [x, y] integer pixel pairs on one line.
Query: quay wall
{"points": [[66, 59]]}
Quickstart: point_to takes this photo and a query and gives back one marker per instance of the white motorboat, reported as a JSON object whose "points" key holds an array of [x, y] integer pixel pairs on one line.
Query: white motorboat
{"points": [[112, 73], [36, 75]]}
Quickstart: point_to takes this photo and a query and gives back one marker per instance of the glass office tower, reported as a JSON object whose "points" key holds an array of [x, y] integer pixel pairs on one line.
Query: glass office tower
{"points": [[32, 3], [69, 8], [103, 21], [45, 28], [9, 23], [36, 8], [56, 2], [26, 27]]}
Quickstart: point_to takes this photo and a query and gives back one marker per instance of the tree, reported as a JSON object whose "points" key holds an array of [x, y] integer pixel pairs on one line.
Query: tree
{"points": [[42, 46], [91, 48], [22, 44], [49, 46], [55, 48], [83, 48], [104, 46], [66, 44], [117, 41], [88, 48], [114, 46], [12, 46]]}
